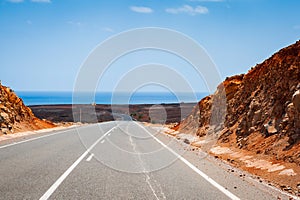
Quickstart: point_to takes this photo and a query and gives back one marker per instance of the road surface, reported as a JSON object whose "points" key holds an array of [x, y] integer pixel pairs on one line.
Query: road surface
{"points": [[117, 160]]}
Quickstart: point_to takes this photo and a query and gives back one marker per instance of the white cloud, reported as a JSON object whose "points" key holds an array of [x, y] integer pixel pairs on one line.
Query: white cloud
{"points": [[107, 29], [41, 1], [75, 23], [141, 9], [296, 27], [188, 10], [15, 1]]}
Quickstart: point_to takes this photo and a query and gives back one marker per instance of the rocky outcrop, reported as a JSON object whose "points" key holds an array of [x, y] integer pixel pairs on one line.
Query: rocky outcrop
{"points": [[15, 116], [262, 108], [209, 114], [198, 120]]}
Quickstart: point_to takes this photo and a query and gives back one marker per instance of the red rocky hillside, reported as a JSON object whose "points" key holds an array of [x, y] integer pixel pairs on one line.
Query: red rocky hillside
{"points": [[15, 116], [262, 109]]}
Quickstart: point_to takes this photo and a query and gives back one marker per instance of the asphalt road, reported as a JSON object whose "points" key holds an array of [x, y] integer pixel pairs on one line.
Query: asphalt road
{"points": [[118, 160]]}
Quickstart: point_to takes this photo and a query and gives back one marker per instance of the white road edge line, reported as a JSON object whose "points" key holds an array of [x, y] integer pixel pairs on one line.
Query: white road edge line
{"points": [[195, 169], [36, 138], [52, 189], [90, 158]]}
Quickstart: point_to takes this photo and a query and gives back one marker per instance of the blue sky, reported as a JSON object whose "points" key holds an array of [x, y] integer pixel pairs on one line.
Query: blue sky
{"points": [[44, 42]]}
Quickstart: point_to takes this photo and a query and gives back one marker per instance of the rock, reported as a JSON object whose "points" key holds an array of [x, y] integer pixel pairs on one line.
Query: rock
{"points": [[4, 116], [288, 172], [296, 100], [18, 118], [5, 130], [256, 117], [269, 128], [186, 141], [288, 188], [254, 104], [242, 142], [291, 111], [282, 186], [251, 130]]}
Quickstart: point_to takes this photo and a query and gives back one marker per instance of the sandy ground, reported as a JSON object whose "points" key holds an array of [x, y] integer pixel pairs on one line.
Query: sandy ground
{"points": [[283, 175]]}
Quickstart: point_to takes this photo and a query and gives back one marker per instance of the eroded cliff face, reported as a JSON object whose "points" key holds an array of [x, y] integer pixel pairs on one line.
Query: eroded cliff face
{"points": [[262, 108], [15, 116]]}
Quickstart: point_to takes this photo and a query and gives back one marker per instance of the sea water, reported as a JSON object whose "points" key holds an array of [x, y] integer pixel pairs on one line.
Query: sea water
{"points": [[51, 98]]}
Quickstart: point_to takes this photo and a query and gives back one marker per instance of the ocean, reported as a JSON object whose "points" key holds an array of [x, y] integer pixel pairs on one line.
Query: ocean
{"points": [[51, 98]]}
